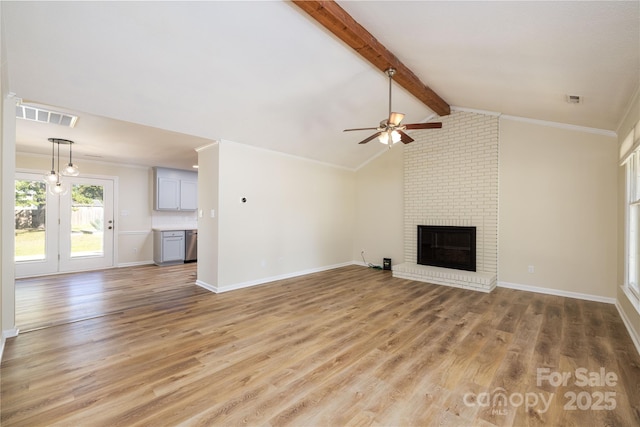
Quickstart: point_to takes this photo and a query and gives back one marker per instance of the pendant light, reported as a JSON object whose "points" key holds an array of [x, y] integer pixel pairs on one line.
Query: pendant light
{"points": [[53, 177], [71, 169]]}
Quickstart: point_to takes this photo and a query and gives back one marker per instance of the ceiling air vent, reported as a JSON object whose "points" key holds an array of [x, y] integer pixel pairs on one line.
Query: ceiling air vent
{"points": [[37, 114], [574, 99]]}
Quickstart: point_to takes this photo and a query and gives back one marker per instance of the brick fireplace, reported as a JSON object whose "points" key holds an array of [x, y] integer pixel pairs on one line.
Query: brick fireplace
{"points": [[451, 179]]}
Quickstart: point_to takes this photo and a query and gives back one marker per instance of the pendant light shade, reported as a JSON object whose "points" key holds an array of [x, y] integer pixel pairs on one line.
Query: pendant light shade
{"points": [[58, 189], [50, 177], [70, 169]]}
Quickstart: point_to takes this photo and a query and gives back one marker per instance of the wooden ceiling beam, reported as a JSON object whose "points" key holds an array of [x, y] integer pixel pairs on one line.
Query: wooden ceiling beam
{"points": [[341, 24]]}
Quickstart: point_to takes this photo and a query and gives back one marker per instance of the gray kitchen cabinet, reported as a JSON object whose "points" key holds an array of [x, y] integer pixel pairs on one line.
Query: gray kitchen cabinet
{"points": [[175, 190], [168, 247], [188, 195]]}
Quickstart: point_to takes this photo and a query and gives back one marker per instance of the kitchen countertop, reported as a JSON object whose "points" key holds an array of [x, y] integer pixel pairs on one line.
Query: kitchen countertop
{"points": [[174, 228]]}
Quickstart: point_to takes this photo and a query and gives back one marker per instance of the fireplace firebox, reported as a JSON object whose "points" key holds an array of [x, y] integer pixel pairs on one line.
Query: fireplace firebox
{"points": [[449, 247]]}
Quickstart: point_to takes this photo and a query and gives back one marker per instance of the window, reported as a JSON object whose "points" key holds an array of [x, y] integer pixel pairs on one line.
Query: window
{"points": [[632, 238]]}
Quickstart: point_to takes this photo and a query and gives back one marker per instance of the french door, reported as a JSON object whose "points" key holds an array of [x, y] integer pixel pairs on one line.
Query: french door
{"points": [[63, 233]]}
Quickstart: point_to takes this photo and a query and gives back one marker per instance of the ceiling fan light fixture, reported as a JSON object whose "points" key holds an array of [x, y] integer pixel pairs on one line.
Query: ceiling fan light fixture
{"points": [[390, 130], [395, 136], [390, 137]]}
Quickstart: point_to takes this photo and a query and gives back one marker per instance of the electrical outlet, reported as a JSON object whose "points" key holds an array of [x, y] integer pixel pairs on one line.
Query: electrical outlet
{"points": [[531, 269], [362, 252]]}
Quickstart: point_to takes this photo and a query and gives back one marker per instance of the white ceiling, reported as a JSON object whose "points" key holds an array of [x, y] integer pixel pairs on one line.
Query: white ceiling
{"points": [[151, 81]]}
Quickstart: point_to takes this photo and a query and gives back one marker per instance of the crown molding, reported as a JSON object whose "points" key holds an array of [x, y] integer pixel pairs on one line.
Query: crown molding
{"points": [[564, 126]]}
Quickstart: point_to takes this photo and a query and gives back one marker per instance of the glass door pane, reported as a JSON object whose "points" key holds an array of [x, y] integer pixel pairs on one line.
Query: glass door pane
{"points": [[86, 224], [87, 220], [30, 217], [36, 231]]}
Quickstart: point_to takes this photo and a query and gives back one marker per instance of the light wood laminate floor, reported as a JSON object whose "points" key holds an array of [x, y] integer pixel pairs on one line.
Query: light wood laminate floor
{"points": [[351, 346]]}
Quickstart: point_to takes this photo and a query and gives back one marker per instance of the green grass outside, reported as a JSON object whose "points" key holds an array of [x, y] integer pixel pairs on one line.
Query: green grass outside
{"points": [[30, 243]]}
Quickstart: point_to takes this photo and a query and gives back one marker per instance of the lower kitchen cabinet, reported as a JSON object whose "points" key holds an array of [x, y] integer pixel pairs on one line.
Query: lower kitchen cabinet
{"points": [[168, 247]]}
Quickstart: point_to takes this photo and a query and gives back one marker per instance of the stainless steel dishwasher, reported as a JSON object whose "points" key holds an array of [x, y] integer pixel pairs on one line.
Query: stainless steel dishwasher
{"points": [[190, 245]]}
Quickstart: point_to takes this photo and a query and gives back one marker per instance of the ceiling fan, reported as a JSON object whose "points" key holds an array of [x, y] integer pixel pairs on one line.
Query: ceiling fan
{"points": [[391, 130]]}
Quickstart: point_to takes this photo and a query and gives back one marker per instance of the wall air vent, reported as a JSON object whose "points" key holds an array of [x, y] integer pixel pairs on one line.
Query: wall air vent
{"points": [[42, 115], [574, 99]]}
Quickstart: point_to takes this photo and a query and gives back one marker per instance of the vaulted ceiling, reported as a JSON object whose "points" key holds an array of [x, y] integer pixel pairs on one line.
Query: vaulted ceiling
{"points": [[151, 81]]}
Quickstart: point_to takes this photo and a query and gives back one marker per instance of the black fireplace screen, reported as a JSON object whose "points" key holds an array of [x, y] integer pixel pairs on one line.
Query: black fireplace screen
{"points": [[449, 247]]}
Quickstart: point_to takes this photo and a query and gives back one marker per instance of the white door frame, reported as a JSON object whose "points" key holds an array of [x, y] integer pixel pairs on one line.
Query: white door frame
{"points": [[67, 263], [28, 270], [48, 265]]}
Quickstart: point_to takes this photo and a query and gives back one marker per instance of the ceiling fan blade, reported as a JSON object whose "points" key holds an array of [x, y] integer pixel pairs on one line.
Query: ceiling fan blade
{"points": [[405, 138], [374, 136], [432, 125], [349, 130], [395, 118]]}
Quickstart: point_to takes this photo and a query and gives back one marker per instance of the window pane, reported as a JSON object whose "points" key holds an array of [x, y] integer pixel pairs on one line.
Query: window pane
{"points": [[633, 245], [636, 177], [634, 239], [30, 210], [87, 220], [630, 181]]}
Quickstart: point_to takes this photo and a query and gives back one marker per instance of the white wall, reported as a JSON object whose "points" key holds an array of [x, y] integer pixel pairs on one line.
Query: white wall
{"points": [[558, 209], [298, 216], [208, 183], [7, 153], [379, 208]]}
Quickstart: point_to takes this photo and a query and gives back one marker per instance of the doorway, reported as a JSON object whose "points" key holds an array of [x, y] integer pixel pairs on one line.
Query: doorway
{"points": [[65, 232]]}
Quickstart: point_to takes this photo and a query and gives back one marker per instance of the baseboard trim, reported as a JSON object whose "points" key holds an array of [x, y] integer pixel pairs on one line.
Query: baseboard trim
{"points": [[9, 333], [635, 337], [134, 264], [219, 289], [556, 292], [205, 285]]}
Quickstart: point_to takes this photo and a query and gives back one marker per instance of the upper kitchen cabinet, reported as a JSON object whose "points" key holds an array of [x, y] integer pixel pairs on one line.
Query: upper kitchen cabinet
{"points": [[175, 189]]}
